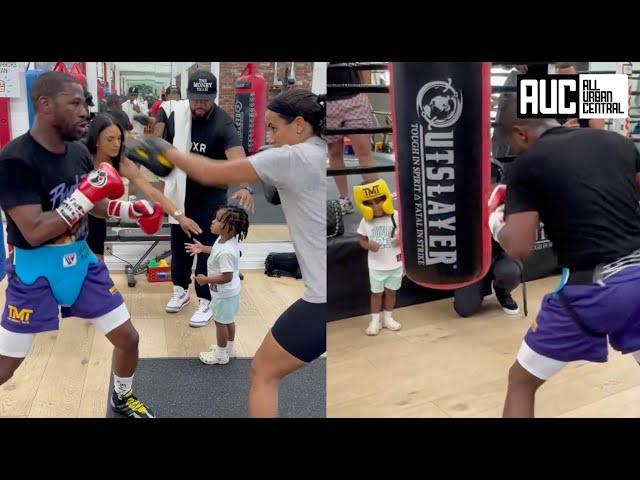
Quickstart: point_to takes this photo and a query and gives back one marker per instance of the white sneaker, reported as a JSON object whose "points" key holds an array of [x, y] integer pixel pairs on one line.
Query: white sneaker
{"points": [[391, 324], [202, 316], [214, 357], [374, 327], [179, 299]]}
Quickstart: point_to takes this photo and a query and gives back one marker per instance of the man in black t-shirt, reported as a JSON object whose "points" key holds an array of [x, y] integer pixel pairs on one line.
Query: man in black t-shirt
{"points": [[348, 109], [214, 135], [47, 188], [114, 108], [583, 184]]}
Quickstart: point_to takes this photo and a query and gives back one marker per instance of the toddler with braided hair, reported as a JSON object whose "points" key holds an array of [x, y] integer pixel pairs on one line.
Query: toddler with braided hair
{"points": [[231, 223]]}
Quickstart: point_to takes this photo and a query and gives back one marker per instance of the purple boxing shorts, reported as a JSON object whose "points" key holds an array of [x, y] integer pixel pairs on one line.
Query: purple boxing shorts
{"points": [[612, 310], [33, 308]]}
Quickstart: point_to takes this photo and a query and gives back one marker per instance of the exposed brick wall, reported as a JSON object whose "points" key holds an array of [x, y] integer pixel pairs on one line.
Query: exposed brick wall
{"points": [[229, 71]]}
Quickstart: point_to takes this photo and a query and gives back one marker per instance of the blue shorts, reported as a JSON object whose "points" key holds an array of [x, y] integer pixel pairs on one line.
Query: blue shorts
{"points": [[33, 308], [224, 310]]}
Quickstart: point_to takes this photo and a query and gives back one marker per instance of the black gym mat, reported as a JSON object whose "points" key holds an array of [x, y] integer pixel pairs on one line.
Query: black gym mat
{"points": [[187, 388]]}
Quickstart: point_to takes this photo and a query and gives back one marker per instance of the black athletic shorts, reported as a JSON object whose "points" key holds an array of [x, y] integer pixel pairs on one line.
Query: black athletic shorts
{"points": [[302, 330]]}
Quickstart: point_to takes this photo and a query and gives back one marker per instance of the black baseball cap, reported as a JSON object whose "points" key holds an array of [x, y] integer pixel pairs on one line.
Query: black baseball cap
{"points": [[133, 90], [202, 86]]}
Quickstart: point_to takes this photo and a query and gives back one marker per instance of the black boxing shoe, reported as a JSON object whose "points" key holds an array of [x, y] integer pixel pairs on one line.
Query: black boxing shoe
{"points": [[129, 406], [506, 301]]}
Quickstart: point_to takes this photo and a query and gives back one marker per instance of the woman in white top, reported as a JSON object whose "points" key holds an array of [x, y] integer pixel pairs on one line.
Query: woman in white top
{"points": [[296, 166]]}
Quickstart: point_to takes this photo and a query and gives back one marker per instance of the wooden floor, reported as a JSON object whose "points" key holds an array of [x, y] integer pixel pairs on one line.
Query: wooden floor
{"points": [[441, 365], [67, 372], [267, 233]]}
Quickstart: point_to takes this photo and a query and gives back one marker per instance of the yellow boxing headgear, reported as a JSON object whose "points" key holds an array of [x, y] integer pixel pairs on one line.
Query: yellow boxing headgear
{"points": [[369, 191]]}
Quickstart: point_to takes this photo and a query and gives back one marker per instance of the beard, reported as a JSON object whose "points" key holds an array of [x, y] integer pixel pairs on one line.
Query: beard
{"points": [[68, 132], [201, 116], [70, 136]]}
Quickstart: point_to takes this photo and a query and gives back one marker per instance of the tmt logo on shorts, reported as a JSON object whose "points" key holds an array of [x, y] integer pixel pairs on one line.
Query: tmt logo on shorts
{"points": [[19, 316], [573, 96], [69, 260]]}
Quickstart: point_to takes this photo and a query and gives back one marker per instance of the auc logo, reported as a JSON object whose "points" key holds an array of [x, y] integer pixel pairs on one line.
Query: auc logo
{"points": [[582, 96]]}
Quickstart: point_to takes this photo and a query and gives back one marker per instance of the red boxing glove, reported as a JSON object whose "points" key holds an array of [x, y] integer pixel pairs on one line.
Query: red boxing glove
{"points": [[103, 182], [496, 210], [148, 215]]}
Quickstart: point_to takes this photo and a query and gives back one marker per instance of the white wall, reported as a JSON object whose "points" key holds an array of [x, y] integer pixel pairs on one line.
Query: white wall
{"points": [[215, 69], [319, 78], [18, 107], [92, 82]]}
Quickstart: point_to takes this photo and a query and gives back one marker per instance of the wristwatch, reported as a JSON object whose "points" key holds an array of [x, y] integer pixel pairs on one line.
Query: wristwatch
{"points": [[177, 213], [247, 188]]}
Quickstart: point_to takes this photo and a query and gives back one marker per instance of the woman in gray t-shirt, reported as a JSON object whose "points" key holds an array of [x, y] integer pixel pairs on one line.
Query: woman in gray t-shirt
{"points": [[296, 166]]}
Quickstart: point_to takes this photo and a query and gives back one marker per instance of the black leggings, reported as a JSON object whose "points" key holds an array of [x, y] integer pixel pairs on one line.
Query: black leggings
{"points": [[302, 330], [182, 262]]}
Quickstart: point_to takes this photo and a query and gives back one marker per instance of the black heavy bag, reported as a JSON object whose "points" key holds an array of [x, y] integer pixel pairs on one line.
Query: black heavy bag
{"points": [[440, 115], [282, 265]]}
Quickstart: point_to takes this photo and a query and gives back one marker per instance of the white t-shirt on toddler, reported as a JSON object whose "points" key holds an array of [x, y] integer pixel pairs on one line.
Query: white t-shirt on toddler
{"points": [[225, 257], [379, 230]]}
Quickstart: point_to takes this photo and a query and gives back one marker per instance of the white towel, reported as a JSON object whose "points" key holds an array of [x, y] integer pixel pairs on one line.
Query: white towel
{"points": [[175, 184]]}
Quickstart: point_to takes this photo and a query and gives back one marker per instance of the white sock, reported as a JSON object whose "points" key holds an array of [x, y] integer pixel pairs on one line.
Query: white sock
{"points": [[221, 350], [375, 317], [122, 384], [387, 315], [230, 345]]}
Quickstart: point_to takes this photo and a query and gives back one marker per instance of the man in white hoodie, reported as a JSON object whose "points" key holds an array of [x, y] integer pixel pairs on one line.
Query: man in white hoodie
{"points": [[132, 107], [204, 128]]}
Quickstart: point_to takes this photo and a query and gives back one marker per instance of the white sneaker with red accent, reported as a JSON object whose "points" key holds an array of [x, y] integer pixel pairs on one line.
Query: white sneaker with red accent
{"points": [[178, 300], [202, 316]]}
